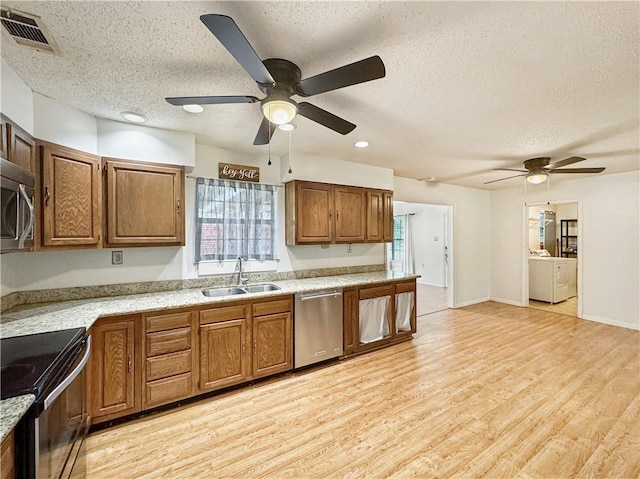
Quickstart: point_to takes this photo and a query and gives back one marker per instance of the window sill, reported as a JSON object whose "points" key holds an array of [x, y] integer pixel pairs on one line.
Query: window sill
{"points": [[209, 268]]}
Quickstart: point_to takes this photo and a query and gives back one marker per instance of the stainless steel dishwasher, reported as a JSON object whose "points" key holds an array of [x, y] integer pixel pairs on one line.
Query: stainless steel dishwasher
{"points": [[317, 326]]}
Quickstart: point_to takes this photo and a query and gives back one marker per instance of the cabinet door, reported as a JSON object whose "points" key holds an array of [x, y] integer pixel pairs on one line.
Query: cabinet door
{"points": [[272, 344], [5, 137], [374, 215], [144, 204], [387, 216], [22, 149], [223, 355], [350, 318], [71, 197], [313, 213], [350, 214], [114, 370], [7, 462]]}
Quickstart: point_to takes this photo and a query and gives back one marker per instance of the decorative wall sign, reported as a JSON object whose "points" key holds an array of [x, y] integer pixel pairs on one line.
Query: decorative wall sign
{"points": [[227, 171]]}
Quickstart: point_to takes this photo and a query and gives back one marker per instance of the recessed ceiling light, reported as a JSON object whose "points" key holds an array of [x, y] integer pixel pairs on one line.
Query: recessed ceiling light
{"points": [[133, 117], [193, 108], [361, 144], [287, 127]]}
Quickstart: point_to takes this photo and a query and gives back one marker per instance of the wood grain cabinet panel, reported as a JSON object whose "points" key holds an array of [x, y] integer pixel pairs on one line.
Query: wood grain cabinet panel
{"points": [[17, 146], [223, 354], [350, 317], [272, 344], [318, 213], [70, 196], [145, 203], [387, 216], [113, 369], [167, 390], [7, 461]]}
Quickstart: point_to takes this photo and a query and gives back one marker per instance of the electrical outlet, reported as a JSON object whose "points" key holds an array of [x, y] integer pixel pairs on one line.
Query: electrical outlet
{"points": [[117, 257], [349, 248]]}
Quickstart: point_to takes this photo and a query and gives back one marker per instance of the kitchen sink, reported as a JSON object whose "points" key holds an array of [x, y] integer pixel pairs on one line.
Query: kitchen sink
{"points": [[233, 290], [261, 288], [225, 291]]}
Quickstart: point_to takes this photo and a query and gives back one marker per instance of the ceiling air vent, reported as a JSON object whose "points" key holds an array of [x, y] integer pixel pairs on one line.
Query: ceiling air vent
{"points": [[28, 30]]}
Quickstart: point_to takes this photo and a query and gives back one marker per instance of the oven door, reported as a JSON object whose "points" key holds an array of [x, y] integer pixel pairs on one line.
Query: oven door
{"points": [[60, 429]]}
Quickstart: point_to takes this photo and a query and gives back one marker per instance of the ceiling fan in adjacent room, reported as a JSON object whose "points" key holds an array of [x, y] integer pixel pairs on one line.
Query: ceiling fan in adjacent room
{"points": [[538, 169], [279, 80]]}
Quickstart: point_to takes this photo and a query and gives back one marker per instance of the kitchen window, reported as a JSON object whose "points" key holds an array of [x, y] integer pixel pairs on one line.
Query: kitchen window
{"points": [[234, 219], [397, 246]]}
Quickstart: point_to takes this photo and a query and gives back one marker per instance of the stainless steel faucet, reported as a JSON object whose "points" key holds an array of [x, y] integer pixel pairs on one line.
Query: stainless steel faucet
{"points": [[241, 279]]}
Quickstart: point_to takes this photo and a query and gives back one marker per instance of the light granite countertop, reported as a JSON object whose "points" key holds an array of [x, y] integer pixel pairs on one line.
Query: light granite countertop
{"points": [[11, 410], [83, 313]]}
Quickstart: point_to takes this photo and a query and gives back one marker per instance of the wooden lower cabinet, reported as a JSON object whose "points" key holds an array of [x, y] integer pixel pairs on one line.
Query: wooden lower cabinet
{"points": [[114, 368], [223, 353], [272, 337], [170, 354], [7, 462], [399, 318]]}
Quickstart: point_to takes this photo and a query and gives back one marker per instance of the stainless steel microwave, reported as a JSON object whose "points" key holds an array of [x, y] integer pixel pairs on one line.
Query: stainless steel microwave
{"points": [[18, 189]]}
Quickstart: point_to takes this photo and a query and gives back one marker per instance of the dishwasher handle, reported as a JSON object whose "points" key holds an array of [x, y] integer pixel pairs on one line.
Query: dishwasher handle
{"points": [[323, 294]]}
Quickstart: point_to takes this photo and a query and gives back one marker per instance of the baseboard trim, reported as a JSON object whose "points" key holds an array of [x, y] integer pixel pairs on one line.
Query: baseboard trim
{"points": [[507, 301], [611, 322], [469, 303]]}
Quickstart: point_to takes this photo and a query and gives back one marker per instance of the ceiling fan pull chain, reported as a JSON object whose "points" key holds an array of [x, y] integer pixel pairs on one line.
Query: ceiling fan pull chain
{"points": [[290, 170], [269, 144]]}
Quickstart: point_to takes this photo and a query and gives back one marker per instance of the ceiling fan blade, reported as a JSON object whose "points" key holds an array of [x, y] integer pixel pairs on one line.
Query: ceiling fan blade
{"points": [[226, 30], [578, 170], [565, 162], [265, 132], [511, 169], [362, 71], [210, 100], [325, 118], [507, 178]]}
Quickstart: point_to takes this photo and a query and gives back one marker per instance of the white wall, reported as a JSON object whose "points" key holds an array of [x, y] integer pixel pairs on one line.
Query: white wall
{"points": [[61, 124], [136, 142], [609, 244], [428, 240], [471, 233], [16, 98]]}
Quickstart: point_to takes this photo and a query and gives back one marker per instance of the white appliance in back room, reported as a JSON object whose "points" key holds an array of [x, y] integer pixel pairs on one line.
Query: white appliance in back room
{"points": [[552, 279]]}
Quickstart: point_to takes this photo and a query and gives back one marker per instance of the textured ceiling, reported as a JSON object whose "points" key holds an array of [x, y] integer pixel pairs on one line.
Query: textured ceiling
{"points": [[470, 86]]}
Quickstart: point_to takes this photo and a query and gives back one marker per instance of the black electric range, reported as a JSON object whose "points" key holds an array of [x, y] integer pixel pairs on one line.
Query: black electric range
{"points": [[32, 363]]}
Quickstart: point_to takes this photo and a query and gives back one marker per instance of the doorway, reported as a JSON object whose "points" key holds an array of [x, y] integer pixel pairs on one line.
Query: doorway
{"points": [[422, 240], [553, 257]]}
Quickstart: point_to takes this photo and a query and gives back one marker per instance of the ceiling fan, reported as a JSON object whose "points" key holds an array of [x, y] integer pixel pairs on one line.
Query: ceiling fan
{"points": [[279, 80], [538, 169]]}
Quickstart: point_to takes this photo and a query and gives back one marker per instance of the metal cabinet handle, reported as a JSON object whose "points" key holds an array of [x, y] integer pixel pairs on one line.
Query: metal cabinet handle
{"points": [[178, 206], [129, 363], [243, 349], [47, 196]]}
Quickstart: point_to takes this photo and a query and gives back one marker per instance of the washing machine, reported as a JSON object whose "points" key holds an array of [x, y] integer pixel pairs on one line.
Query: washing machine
{"points": [[552, 279]]}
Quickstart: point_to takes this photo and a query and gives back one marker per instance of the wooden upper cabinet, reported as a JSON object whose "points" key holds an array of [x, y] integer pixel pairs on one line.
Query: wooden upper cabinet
{"points": [[17, 145], [70, 197], [310, 206], [145, 204], [374, 215], [319, 213], [350, 214], [387, 216]]}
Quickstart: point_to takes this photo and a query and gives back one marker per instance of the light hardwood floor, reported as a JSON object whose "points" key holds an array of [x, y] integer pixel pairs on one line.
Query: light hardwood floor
{"points": [[430, 299], [489, 390]]}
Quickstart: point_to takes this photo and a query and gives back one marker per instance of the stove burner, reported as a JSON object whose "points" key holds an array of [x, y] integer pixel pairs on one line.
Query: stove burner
{"points": [[13, 372]]}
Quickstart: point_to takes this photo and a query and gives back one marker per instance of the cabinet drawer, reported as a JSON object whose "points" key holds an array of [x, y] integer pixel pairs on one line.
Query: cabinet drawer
{"points": [[223, 314], [374, 292], [272, 307], [167, 321], [405, 287], [166, 390], [168, 365], [164, 342]]}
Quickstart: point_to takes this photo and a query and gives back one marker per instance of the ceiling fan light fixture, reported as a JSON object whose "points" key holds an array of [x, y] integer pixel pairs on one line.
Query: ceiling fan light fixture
{"points": [[537, 177], [193, 108], [361, 144], [287, 127], [279, 112]]}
